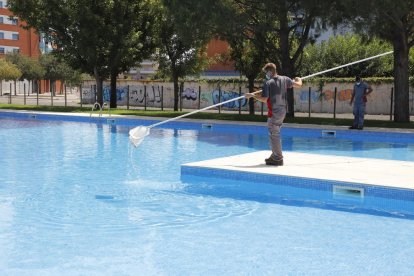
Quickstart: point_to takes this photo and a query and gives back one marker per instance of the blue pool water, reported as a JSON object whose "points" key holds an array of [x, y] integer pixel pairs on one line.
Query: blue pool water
{"points": [[77, 199]]}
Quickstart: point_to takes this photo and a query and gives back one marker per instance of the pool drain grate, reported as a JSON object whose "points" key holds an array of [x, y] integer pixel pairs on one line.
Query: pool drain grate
{"points": [[348, 191], [328, 133]]}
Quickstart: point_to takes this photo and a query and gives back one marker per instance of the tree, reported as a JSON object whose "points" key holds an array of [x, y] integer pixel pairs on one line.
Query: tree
{"points": [[182, 42], [342, 49], [249, 60], [101, 38], [278, 28], [133, 36], [392, 21], [30, 68], [9, 71], [52, 69]]}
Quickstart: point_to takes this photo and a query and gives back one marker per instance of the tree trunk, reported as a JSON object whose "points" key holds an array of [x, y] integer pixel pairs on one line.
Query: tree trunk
{"points": [[175, 80], [401, 79], [99, 87], [287, 68], [251, 100], [288, 71], [61, 87], [113, 96], [290, 103]]}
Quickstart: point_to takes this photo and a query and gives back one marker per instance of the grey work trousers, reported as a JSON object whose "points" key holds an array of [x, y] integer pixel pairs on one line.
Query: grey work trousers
{"points": [[274, 125], [359, 113]]}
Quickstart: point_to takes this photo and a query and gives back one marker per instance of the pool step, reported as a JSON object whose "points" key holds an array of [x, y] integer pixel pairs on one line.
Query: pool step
{"points": [[344, 176]]}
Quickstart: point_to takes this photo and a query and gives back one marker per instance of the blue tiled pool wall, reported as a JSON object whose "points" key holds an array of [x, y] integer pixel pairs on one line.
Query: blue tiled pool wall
{"points": [[302, 192], [306, 183], [376, 136]]}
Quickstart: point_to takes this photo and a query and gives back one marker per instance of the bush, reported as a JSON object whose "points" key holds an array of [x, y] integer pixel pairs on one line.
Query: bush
{"points": [[339, 50]]}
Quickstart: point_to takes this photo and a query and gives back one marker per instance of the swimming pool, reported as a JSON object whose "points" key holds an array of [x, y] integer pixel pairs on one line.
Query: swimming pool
{"points": [[75, 199]]}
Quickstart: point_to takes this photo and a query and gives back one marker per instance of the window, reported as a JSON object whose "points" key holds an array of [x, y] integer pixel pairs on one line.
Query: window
{"points": [[15, 36], [14, 21], [1, 4], [1, 20], [16, 51], [1, 50], [1, 35]]}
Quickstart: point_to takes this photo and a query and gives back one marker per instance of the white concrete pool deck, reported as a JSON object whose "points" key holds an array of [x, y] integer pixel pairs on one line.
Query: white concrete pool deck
{"points": [[365, 171]]}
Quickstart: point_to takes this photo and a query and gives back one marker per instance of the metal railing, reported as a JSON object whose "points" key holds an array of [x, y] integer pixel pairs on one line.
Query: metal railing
{"points": [[312, 102]]}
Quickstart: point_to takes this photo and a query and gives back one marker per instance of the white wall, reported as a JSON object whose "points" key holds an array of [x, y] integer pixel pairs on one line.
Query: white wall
{"points": [[378, 101]]}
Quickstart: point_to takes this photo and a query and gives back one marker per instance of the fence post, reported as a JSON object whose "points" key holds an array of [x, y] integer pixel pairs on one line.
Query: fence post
{"points": [[219, 100], [80, 94], [180, 90], [309, 102], [199, 97], [51, 93], [66, 97], [335, 103], [392, 102], [145, 97], [240, 100], [162, 97], [94, 95], [127, 96], [39, 88], [10, 94], [24, 93]]}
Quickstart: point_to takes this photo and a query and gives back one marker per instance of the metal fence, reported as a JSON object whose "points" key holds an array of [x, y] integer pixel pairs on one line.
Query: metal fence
{"points": [[331, 102]]}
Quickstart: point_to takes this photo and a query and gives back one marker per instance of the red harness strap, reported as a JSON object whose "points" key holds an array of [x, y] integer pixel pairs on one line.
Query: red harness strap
{"points": [[269, 108]]}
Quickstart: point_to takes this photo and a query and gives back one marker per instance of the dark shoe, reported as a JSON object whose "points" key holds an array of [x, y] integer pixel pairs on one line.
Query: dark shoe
{"points": [[361, 128], [352, 127], [272, 162]]}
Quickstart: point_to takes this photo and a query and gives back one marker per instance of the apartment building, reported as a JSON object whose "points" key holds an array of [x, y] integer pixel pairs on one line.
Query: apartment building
{"points": [[15, 39]]}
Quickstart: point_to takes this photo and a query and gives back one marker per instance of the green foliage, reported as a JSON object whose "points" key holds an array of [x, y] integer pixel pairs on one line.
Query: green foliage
{"points": [[393, 21], [9, 71], [181, 51], [101, 38], [278, 29], [54, 69], [339, 50], [30, 68]]}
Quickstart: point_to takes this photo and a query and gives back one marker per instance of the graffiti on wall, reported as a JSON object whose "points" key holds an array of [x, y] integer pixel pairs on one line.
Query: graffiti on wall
{"points": [[87, 95], [121, 93], [137, 94], [154, 96], [140, 94], [327, 95], [189, 94], [192, 97], [228, 95]]}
